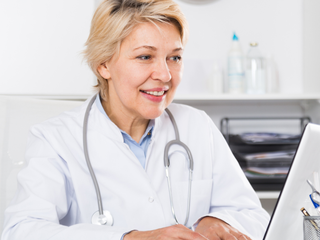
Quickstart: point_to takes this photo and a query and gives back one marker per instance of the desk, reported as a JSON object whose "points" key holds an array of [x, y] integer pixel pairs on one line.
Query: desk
{"points": [[268, 199], [268, 194]]}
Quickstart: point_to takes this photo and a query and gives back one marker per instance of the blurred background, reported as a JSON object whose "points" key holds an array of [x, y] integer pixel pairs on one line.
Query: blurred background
{"points": [[40, 57]]}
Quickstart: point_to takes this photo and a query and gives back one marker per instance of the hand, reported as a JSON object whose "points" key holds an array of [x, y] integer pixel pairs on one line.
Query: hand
{"points": [[216, 229], [173, 232]]}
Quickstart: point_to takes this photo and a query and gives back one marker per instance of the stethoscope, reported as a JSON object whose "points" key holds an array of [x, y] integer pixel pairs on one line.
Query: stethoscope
{"points": [[102, 217]]}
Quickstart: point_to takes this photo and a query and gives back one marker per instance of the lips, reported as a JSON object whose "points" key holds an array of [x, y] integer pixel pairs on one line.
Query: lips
{"points": [[154, 93], [157, 92]]}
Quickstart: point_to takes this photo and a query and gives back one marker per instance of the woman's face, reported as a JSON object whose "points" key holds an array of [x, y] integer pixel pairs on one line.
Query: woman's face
{"points": [[142, 81]]}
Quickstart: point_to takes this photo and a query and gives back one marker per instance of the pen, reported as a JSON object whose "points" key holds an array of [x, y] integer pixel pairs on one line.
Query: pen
{"points": [[313, 197], [316, 205], [316, 183], [304, 211]]}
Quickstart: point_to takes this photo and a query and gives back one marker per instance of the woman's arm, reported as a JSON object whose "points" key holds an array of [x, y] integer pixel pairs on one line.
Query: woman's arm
{"points": [[44, 198], [233, 200], [216, 229], [173, 232]]}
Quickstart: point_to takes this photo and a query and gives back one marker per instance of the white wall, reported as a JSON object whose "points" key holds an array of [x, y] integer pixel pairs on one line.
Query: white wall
{"points": [[275, 25], [41, 41], [311, 46], [40, 47]]}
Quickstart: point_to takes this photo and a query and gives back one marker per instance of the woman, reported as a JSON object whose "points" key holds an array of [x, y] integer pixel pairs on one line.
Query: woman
{"points": [[135, 49]]}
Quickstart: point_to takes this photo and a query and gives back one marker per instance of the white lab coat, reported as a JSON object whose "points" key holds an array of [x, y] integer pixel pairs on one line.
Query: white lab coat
{"points": [[56, 197]]}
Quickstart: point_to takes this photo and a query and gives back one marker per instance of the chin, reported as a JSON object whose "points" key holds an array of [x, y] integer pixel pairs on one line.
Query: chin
{"points": [[153, 113]]}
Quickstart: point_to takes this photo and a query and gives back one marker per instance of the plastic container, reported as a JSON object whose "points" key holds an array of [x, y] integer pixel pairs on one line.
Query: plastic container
{"points": [[311, 227], [235, 83], [255, 71]]}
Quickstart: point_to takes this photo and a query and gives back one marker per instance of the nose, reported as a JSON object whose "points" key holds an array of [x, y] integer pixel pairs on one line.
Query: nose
{"points": [[161, 71]]}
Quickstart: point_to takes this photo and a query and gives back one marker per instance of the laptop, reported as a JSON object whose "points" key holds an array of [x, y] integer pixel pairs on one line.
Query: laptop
{"points": [[287, 220]]}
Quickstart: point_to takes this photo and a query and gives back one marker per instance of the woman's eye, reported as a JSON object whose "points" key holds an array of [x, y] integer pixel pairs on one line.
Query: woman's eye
{"points": [[176, 58], [144, 57]]}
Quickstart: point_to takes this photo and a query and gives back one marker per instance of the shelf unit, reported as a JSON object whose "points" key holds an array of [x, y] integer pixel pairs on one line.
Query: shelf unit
{"points": [[305, 101], [199, 98], [249, 97]]}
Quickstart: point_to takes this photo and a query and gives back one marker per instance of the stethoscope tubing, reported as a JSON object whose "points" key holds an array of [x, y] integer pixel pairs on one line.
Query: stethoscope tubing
{"points": [[167, 165], [102, 219], [86, 154]]}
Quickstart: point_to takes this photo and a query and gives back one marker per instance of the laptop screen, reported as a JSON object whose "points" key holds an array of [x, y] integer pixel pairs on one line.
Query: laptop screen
{"points": [[287, 220]]}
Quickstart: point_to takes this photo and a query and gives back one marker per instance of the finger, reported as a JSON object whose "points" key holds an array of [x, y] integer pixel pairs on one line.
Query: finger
{"points": [[181, 232], [232, 234], [225, 236], [213, 237], [244, 237], [239, 237], [181, 226], [229, 237]]}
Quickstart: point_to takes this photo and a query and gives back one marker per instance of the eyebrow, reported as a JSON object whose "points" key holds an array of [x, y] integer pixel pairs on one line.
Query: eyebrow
{"points": [[155, 49], [146, 46], [178, 49]]}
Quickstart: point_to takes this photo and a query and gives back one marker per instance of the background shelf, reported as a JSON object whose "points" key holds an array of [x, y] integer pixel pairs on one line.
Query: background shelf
{"points": [[232, 98], [249, 97]]}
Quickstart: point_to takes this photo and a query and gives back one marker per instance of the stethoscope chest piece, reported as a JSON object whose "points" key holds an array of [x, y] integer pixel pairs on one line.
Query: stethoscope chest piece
{"points": [[105, 219]]}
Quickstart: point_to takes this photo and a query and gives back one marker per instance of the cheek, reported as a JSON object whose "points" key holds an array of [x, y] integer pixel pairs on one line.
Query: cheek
{"points": [[122, 79], [131, 76], [176, 77], [127, 85], [131, 83]]}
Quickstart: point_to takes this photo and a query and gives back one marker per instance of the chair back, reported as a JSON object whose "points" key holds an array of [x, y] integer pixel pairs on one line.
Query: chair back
{"points": [[17, 115]]}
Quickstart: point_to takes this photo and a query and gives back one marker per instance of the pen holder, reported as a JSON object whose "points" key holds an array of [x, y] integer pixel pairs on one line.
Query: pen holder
{"points": [[311, 227]]}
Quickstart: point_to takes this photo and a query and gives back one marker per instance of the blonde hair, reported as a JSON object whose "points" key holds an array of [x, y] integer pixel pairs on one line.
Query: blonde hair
{"points": [[114, 20]]}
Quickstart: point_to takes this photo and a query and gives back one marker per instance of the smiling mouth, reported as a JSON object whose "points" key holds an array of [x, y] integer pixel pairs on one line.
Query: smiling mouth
{"points": [[154, 93]]}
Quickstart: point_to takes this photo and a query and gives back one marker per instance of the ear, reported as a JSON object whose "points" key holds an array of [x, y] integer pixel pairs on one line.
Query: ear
{"points": [[104, 71]]}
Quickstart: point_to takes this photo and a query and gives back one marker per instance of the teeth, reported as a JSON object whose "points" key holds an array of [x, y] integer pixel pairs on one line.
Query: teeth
{"points": [[155, 93]]}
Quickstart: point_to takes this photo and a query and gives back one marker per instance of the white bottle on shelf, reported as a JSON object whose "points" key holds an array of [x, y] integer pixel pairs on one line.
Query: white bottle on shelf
{"points": [[235, 83], [255, 71]]}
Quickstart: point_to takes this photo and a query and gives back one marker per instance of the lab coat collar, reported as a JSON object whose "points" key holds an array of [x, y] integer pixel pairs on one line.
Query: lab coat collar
{"points": [[125, 135], [99, 119]]}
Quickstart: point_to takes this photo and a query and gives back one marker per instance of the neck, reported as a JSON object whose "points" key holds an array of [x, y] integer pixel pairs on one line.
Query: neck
{"points": [[132, 125]]}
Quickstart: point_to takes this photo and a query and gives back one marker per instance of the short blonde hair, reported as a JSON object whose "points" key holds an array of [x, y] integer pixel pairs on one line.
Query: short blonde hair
{"points": [[114, 20]]}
